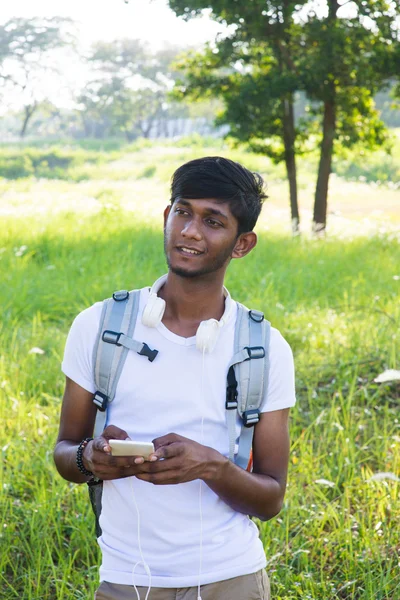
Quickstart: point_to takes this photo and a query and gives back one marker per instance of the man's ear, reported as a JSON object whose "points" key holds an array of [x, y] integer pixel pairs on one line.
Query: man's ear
{"points": [[244, 244], [167, 210]]}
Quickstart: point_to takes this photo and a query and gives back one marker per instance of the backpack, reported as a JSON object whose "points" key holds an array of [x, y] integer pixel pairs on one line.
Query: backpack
{"points": [[247, 378]]}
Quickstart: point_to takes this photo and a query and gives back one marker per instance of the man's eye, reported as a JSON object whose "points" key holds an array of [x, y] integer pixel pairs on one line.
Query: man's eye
{"points": [[180, 211], [213, 223]]}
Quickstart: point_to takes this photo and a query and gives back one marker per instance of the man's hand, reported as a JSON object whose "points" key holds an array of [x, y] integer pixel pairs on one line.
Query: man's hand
{"points": [[97, 456], [179, 460]]}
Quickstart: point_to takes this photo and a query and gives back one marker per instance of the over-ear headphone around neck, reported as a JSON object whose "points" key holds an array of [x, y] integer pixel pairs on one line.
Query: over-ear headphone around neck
{"points": [[208, 331]]}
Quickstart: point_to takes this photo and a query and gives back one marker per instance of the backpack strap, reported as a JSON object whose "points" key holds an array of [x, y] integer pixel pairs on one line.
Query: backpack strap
{"points": [[247, 379], [114, 340]]}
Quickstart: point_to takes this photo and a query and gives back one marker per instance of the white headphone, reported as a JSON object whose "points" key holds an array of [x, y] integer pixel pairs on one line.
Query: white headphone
{"points": [[208, 331]]}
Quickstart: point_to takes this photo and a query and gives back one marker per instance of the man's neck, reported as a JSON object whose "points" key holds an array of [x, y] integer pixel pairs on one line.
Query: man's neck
{"points": [[192, 300]]}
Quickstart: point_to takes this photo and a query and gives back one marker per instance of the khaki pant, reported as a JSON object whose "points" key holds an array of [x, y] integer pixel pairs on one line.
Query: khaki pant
{"points": [[247, 587]]}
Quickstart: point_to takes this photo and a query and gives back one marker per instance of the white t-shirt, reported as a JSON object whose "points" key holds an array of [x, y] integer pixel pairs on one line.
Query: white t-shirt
{"points": [[152, 400]]}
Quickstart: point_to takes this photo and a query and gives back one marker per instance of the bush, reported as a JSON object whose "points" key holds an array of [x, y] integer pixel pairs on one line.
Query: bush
{"points": [[148, 172], [15, 167], [195, 140], [382, 166], [376, 168], [54, 163]]}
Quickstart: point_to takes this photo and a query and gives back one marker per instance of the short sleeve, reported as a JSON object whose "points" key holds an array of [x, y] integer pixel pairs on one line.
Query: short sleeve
{"points": [[281, 385], [78, 354]]}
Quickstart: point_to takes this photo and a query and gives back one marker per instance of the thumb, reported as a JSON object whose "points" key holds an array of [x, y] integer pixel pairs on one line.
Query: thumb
{"points": [[111, 432], [100, 444]]}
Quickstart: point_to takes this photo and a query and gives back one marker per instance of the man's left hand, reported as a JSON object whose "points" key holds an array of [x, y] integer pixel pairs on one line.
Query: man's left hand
{"points": [[182, 460]]}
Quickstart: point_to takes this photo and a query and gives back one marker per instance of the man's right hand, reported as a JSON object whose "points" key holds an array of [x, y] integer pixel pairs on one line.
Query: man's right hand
{"points": [[78, 415], [97, 456]]}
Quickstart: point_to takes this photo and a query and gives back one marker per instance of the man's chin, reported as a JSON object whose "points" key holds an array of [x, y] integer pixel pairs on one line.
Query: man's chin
{"points": [[187, 274]]}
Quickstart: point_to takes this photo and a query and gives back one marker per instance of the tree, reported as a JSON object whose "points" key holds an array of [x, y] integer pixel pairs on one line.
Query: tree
{"points": [[338, 59], [257, 103], [130, 89], [347, 58], [254, 72], [26, 54]]}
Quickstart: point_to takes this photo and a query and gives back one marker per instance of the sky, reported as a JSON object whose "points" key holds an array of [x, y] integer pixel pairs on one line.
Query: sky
{"points": [[150, 20]]}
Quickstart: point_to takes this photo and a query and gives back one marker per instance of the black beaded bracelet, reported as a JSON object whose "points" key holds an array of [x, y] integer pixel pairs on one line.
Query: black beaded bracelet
{"points": [[79, 457]]}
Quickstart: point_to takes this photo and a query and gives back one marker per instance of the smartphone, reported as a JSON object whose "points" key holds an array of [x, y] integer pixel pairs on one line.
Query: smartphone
{"points": [[131, 448]]}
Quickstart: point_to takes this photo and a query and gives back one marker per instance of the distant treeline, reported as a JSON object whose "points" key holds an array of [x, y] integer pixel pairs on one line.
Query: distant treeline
{"points": [[50, 122]]}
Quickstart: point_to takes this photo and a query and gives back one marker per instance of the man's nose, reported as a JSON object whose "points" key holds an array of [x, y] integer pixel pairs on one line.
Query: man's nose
{"points": [[192, 229]]}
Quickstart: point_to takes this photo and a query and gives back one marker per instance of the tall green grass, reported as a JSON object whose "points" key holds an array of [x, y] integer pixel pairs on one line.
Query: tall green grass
{"points": [[337, 303]]}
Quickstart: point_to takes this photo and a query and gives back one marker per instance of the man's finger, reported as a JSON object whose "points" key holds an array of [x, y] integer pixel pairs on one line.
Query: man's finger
{"points": [[110, 470], [112, 432], [100, 444], [120, 461], [165, 440], [170, 477], [169, 451], [160, 466]]}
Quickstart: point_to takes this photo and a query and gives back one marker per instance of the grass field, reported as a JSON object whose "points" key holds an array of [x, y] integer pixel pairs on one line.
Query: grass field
{"points": [[67, 243]]}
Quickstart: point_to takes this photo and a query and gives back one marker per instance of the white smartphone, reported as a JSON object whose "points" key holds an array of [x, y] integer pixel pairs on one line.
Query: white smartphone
{"points": [[131, 448]]}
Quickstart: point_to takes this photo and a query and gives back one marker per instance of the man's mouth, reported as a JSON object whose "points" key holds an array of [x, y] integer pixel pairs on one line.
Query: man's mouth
{"points": [[189, 251]]}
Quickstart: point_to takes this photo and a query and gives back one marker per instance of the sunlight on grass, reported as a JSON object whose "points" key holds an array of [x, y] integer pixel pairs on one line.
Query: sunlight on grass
{"points": [[139, 176]]}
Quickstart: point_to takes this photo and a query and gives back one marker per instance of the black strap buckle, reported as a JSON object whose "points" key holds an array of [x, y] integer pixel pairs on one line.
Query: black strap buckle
{"points": [[120, 296], [256, 315], [111, 337], [251, 417], [146, 351], [255, 351], [231, 397], [101, 401]]}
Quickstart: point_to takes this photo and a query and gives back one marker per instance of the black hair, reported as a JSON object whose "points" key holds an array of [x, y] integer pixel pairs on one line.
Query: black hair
{"points": [[223, 180]]}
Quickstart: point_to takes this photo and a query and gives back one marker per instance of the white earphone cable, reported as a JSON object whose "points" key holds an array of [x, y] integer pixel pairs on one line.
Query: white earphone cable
{"points": [[139, 562], [200, 481], [142, 561], [152, 320]]}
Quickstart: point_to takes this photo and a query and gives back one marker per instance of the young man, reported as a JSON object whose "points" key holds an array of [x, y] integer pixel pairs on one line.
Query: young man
{"points": [[182, 517]]}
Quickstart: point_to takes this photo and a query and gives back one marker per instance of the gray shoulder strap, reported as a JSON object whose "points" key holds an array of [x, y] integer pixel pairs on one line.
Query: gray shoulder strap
{"points": [[114, 340], [248, 373]]}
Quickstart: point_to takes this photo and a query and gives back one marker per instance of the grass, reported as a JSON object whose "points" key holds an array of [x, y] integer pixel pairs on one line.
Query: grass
{"points": [[65, 245], [363, 195]]}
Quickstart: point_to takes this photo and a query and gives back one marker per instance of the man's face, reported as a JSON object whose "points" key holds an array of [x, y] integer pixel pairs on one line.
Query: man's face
{"points": [[199, 236]]}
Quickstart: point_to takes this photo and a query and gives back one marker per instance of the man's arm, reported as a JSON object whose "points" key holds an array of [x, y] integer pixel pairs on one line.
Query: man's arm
{"points": [[78, 415], [259, 494]]}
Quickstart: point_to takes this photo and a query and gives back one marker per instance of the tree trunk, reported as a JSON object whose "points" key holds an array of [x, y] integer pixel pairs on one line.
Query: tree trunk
{"points": [[29, 110], [328, 136], [128, 135], [324, 168], [147, 129], [289, 137]]}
